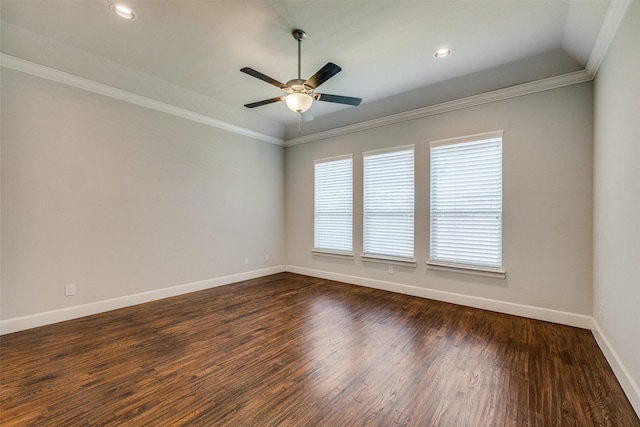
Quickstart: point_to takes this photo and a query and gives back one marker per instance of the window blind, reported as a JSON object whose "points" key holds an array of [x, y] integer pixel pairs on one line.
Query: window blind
{"points": [[333, 205], [389, 203], [466, 203]]}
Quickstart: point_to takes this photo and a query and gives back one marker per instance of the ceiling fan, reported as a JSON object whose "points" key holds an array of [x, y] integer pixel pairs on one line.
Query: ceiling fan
{"points": [[299, 93]]}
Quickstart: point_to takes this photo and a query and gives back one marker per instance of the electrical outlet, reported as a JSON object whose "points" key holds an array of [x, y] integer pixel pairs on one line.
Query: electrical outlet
{"points": [[390, 269], [601, 308], [266, 257], [69, 290], [246, 261]]}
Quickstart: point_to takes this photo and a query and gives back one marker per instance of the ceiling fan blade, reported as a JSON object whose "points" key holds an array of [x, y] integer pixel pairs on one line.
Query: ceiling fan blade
{"points": [[338, 99], [306, 116], [323, 74], [262, 77], [265, 102]]}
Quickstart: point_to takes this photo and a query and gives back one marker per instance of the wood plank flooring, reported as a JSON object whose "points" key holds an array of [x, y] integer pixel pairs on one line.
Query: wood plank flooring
{"points": [[291, 350]]}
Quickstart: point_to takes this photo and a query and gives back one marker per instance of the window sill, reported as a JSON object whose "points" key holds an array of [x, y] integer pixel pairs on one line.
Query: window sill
{"points": [[476, 271], [389, 260], [334, 254]]}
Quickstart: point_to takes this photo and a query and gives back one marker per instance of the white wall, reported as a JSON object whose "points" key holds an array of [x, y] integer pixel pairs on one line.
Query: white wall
{"points": [[617, 203], [547, 156], [121, 200]]}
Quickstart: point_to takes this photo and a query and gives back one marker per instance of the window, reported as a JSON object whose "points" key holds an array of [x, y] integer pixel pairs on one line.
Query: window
{"points": [[388, 204], [333, 205], [466, 203]]}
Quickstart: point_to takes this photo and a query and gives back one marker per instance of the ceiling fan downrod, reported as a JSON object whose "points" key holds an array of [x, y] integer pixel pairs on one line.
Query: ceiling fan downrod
{"points": [[299, 35]]}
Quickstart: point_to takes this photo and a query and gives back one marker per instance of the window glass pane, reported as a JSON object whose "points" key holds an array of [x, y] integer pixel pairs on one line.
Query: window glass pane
{"points": [[389, 203], [333, 202], [466, 203]]}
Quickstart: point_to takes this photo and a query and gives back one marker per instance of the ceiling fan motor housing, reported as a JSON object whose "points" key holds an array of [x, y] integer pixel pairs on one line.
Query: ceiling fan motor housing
{"points": [[297, 85]]}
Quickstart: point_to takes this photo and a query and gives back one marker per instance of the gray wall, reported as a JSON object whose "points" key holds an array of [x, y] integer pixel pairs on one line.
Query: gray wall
{"points": [[617, 200], [547, 156], [120, 200]]}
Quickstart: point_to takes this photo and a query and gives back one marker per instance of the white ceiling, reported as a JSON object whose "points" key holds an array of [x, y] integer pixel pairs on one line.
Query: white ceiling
{"points": [[189, 53]]}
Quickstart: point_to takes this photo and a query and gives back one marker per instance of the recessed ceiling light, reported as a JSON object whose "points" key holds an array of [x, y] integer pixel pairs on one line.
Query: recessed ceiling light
{"points": [[442, 53], [122, 11]]}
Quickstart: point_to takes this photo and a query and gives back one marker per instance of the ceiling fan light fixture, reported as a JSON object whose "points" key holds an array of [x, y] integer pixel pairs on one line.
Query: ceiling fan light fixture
{"points": [[299, 102]]}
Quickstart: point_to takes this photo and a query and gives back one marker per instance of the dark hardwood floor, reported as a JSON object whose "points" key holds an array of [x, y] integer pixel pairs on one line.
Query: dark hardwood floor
{"points": [[291, 350]]}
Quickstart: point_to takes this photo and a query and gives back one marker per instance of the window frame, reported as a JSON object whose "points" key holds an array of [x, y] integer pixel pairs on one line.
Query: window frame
{"points": [[462, 267], [326, 250], [387, 257]]}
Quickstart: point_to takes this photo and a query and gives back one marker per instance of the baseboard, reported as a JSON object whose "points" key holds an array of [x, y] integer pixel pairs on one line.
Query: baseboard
{"points": [[630, 387], [538, 313], [41, 319]]}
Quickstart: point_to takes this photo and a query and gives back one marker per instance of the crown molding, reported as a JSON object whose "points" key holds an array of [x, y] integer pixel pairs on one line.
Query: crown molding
{"points": [[458, 104], [18, 64], [24, 66], [612, 20]]}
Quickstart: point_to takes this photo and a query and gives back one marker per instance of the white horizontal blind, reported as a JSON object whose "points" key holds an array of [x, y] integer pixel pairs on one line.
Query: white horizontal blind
{"points": [[466, 203], [333, 205], [389, 203]]}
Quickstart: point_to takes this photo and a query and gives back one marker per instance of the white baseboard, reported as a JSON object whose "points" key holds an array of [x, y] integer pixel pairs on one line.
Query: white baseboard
{"points": [[630, 387], [41, 319], [538, 313]]}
